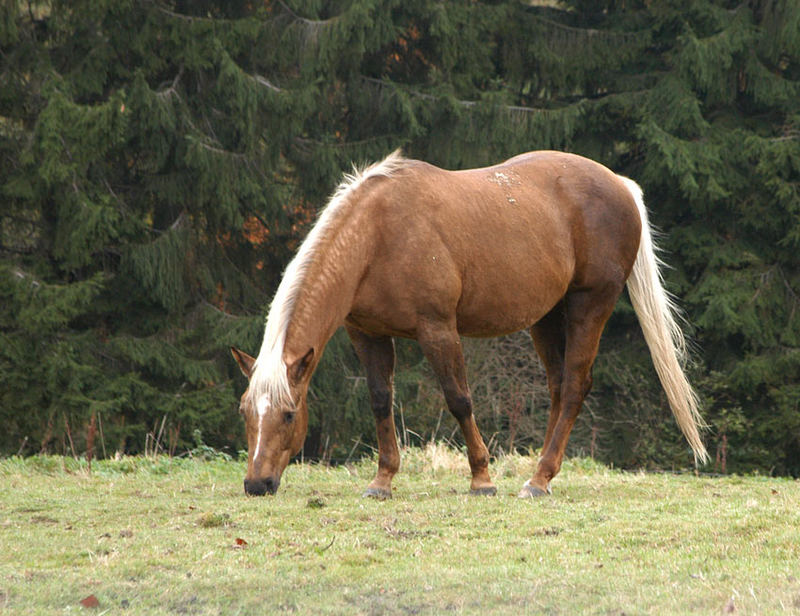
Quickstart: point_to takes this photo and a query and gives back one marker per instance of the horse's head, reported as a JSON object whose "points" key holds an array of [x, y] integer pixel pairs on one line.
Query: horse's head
{"points": [[276, 428]]}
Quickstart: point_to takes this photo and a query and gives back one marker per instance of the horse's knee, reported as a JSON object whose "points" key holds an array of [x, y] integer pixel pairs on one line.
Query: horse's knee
{"points": [[460, 406], [381, 404]]}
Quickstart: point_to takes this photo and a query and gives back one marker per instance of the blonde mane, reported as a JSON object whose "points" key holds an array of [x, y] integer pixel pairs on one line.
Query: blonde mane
{"points": [[269, 375]]}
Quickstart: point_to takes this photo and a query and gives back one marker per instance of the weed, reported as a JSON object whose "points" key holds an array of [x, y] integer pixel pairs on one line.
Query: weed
{"points": [[212, 520]]}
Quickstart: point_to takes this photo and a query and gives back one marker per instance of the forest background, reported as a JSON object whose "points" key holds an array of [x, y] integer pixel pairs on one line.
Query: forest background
{"points": [[160, 160]]}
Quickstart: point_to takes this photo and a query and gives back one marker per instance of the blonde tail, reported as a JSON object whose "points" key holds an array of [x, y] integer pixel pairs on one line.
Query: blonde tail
{"points": [[658, 318]]}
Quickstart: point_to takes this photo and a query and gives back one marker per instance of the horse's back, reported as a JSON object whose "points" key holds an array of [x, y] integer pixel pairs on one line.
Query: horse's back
{"points": [[496, 248]]}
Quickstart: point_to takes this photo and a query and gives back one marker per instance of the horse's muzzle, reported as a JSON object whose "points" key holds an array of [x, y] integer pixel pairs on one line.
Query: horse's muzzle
{"points": [[260, 487]]}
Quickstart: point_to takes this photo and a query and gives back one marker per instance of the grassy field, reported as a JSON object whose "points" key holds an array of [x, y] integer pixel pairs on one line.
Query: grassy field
{"points": [[177, 536]]}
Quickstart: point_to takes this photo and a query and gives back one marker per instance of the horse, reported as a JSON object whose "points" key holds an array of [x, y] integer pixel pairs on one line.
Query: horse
{"points": [[545, 241]]}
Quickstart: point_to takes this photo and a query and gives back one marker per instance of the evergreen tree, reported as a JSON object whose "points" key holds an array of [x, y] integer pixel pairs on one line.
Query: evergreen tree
{"points": [[159, 162]]}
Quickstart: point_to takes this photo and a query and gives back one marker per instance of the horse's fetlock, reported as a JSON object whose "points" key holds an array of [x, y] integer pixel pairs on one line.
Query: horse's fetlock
{"points": [[390, 464], [481, 461], [547, 471]]}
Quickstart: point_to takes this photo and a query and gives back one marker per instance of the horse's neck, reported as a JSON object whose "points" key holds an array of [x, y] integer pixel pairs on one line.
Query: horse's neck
{"points": [[329, 286]]}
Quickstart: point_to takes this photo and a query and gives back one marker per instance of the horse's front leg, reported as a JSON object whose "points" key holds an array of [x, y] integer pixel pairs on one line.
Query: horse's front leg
{"points": [[377, 355], [441, 345]]}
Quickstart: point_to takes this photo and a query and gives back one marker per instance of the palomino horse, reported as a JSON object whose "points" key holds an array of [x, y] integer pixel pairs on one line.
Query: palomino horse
{"points": [[545, 241]]}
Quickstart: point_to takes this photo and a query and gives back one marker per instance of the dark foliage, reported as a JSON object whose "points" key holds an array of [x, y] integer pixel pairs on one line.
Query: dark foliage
{"points": [[160, 161]]}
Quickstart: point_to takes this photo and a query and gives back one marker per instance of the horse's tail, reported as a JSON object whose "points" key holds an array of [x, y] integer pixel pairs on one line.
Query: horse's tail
{"points": [[658, 317]]}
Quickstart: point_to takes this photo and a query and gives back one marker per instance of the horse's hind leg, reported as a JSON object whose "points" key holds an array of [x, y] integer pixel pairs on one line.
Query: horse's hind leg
{"points": [[585, 317], [549, 339], [377, 355], [441, 345]]}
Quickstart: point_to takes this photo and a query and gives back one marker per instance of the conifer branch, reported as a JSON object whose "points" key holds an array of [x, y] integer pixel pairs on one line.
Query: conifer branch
{"points": [[114, 194], [188, 18], [463, 103], [19, 251], [789, 289], [227, 315], [25, 275], [211, 148], [217, 150], [790, 133], [173, 88], [266, 83], [178, 222], [586, 32], [305, 20], [305, 143]]}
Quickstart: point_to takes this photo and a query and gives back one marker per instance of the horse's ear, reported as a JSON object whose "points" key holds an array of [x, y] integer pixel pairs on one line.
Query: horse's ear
{"points": [[299, 368], [244, 360]]}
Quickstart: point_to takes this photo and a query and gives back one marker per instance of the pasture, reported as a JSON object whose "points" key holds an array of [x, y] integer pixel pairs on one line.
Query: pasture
{"points": [[178, 536]]}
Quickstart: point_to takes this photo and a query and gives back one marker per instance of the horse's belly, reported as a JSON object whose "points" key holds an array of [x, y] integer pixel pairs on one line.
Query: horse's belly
{"points": [[504, 304], [481, 325], [498, 306]]}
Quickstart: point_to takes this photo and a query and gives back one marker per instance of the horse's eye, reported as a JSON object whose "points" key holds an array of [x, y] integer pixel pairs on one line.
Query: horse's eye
{"points": [[288, 417]]}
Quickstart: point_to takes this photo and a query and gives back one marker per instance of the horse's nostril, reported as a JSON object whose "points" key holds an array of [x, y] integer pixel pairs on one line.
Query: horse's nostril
{"points": [[255, 487], [271, 485], [259, 487]]}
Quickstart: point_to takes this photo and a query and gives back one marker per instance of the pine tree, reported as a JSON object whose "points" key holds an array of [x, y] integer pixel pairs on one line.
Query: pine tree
{"points": [[161, 160]]}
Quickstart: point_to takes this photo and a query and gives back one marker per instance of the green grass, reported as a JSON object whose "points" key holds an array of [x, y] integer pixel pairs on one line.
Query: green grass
{"points": [[164, 536]]}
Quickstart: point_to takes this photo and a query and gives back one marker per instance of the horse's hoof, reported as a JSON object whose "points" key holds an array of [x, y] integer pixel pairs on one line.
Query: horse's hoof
{"points": [[377, 493], [529, 491], [484, 491]]}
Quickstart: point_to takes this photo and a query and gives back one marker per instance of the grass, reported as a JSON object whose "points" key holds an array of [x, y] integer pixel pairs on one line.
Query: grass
{"points": [[177, 536]]}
